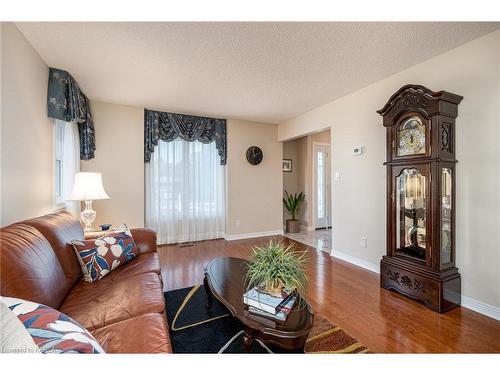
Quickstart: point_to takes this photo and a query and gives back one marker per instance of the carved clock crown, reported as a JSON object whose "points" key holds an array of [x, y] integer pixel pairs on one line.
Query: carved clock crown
{"points": [[419, 99]]}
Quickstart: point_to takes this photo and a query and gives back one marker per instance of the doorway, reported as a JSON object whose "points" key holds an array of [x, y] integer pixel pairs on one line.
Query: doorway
{"points": [[321, 185], [306, 169]]}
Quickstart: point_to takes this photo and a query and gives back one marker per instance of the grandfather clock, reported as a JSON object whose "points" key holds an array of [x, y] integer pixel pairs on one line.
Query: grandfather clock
{"points": [[420, 260]]}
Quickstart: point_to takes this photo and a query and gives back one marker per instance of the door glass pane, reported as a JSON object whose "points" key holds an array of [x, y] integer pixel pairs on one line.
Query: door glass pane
{"points": [[411, 213], [446, 235], [320, 173]]}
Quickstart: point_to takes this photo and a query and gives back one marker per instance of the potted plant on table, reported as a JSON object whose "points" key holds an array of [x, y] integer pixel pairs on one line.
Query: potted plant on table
{"points": [[292, 203], [275, 267]]}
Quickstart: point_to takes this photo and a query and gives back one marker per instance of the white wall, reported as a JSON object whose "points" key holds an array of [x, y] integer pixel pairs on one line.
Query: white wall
{"points": [[27, 164], [119, 156], [291, 150], [254, 192], [473, 71]]}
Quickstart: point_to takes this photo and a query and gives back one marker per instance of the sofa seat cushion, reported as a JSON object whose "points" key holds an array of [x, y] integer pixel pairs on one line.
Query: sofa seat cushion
{"points": [[144, 263], [142, 334], [108, 301]]}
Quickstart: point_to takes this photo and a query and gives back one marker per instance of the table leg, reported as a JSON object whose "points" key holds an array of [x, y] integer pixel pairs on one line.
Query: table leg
{"points": [[208, 292], [248, 340]]}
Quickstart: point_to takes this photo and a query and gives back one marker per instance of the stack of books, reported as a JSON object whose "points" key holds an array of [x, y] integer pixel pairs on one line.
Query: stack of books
{"points": [[263, 304]]}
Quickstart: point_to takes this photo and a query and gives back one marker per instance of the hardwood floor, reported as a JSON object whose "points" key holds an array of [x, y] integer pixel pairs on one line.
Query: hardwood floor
{"points": [[351, 298]]}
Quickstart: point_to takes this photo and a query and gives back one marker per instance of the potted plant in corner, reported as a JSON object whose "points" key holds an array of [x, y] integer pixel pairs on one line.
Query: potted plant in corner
{"points": [[276, 268], [292, 203]]}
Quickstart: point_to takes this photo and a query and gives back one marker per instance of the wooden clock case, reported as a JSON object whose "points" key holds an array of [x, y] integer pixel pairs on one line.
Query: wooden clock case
{"points": [[430, 277]]}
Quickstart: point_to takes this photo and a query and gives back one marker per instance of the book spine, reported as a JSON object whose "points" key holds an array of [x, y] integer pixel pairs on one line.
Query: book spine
{"points": [[289, 306], [258, 305], [262, 303], [256, 311], [284, 302]]}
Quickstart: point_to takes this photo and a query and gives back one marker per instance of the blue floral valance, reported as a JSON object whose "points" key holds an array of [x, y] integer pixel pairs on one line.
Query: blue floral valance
{"points": [[168, 126], [66, 102]]}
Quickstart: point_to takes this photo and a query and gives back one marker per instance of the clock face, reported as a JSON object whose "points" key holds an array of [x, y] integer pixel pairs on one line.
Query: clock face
{"points": [[254, 155], [411, 137]]}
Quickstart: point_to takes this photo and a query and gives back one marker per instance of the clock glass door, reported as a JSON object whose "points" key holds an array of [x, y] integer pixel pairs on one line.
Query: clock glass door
{"points": [[446, 215], [411, 213]]}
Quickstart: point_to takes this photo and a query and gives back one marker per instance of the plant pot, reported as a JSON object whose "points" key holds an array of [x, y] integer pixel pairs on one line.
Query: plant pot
{"points": [[292, 226], [277, 292]]}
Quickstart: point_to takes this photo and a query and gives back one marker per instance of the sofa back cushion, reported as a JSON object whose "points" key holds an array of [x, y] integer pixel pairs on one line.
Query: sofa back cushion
{"points": [[29, 268], [60, 228]]}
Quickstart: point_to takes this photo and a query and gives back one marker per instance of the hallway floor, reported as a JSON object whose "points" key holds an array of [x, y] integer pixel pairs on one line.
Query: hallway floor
{"points": [[320, 239]]}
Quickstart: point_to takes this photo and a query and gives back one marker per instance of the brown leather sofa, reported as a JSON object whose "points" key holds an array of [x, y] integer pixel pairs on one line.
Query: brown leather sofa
{"points": [[125, 311]]}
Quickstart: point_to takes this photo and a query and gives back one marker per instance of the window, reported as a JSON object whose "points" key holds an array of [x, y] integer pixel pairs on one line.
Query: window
{"points": [[66, 163], [59, 160], [185, 189]]}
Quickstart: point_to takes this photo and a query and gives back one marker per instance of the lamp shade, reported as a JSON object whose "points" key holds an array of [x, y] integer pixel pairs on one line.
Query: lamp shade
{"points": [[88, 187]]}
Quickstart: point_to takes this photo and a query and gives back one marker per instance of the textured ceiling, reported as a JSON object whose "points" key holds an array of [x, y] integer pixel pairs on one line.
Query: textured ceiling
{"points": [[266, 72]]}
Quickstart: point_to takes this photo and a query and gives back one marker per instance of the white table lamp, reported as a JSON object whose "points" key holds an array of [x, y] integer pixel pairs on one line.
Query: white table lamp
{"points": [[88, 187]]}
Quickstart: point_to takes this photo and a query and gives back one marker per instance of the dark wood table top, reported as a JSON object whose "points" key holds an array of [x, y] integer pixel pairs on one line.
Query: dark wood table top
{"points": [[226, 279]]}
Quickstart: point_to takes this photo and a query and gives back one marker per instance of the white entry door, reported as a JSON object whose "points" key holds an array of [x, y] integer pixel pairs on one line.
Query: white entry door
{"points": [[321, 185]]}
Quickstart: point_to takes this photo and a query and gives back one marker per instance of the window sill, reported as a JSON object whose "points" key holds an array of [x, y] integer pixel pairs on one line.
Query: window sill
{"points": [[60, 207]]}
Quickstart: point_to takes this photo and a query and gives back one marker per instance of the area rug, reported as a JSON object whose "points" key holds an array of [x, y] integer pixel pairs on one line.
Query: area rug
{"points": [[195, 329]]}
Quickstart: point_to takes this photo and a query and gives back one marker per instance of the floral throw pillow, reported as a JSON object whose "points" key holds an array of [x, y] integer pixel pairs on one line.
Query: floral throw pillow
{"points": [[51, 330], [100, 256]]}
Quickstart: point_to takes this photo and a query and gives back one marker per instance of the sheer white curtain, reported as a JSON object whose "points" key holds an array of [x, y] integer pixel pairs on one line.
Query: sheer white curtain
{"points": [[185, 192]]}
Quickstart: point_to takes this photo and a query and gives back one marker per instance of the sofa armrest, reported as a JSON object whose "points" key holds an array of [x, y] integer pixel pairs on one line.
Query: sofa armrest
{"points": [[145, 239]]}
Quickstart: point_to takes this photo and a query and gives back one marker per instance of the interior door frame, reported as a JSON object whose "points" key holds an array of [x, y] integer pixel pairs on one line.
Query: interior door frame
{"points": [[314, 187]]}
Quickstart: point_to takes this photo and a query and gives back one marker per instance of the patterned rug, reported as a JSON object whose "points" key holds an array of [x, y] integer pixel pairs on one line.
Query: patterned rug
{"points": [[195, 329]]}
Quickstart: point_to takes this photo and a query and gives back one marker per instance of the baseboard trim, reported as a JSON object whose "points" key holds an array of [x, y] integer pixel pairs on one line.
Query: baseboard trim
{"points": [[467, 302], [242, 236], [356, 261], [481, 307]]}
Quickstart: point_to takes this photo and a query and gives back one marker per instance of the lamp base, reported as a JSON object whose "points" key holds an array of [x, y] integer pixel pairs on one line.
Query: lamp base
{"points": [[88, 216]]}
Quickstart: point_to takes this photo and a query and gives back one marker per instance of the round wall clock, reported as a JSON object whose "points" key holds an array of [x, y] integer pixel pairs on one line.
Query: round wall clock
{"points": [[254, 155]]}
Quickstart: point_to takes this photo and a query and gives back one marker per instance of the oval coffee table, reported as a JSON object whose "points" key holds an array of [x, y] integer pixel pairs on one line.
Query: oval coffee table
{"points": [[225, 280]]}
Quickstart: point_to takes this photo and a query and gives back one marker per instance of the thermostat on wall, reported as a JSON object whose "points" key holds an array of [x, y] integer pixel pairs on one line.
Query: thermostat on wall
{"points": [[357, 150]]}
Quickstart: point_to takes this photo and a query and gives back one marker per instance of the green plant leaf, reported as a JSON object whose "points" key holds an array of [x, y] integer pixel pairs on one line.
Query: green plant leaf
{"points": [[275, 265], [293, 202]]}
